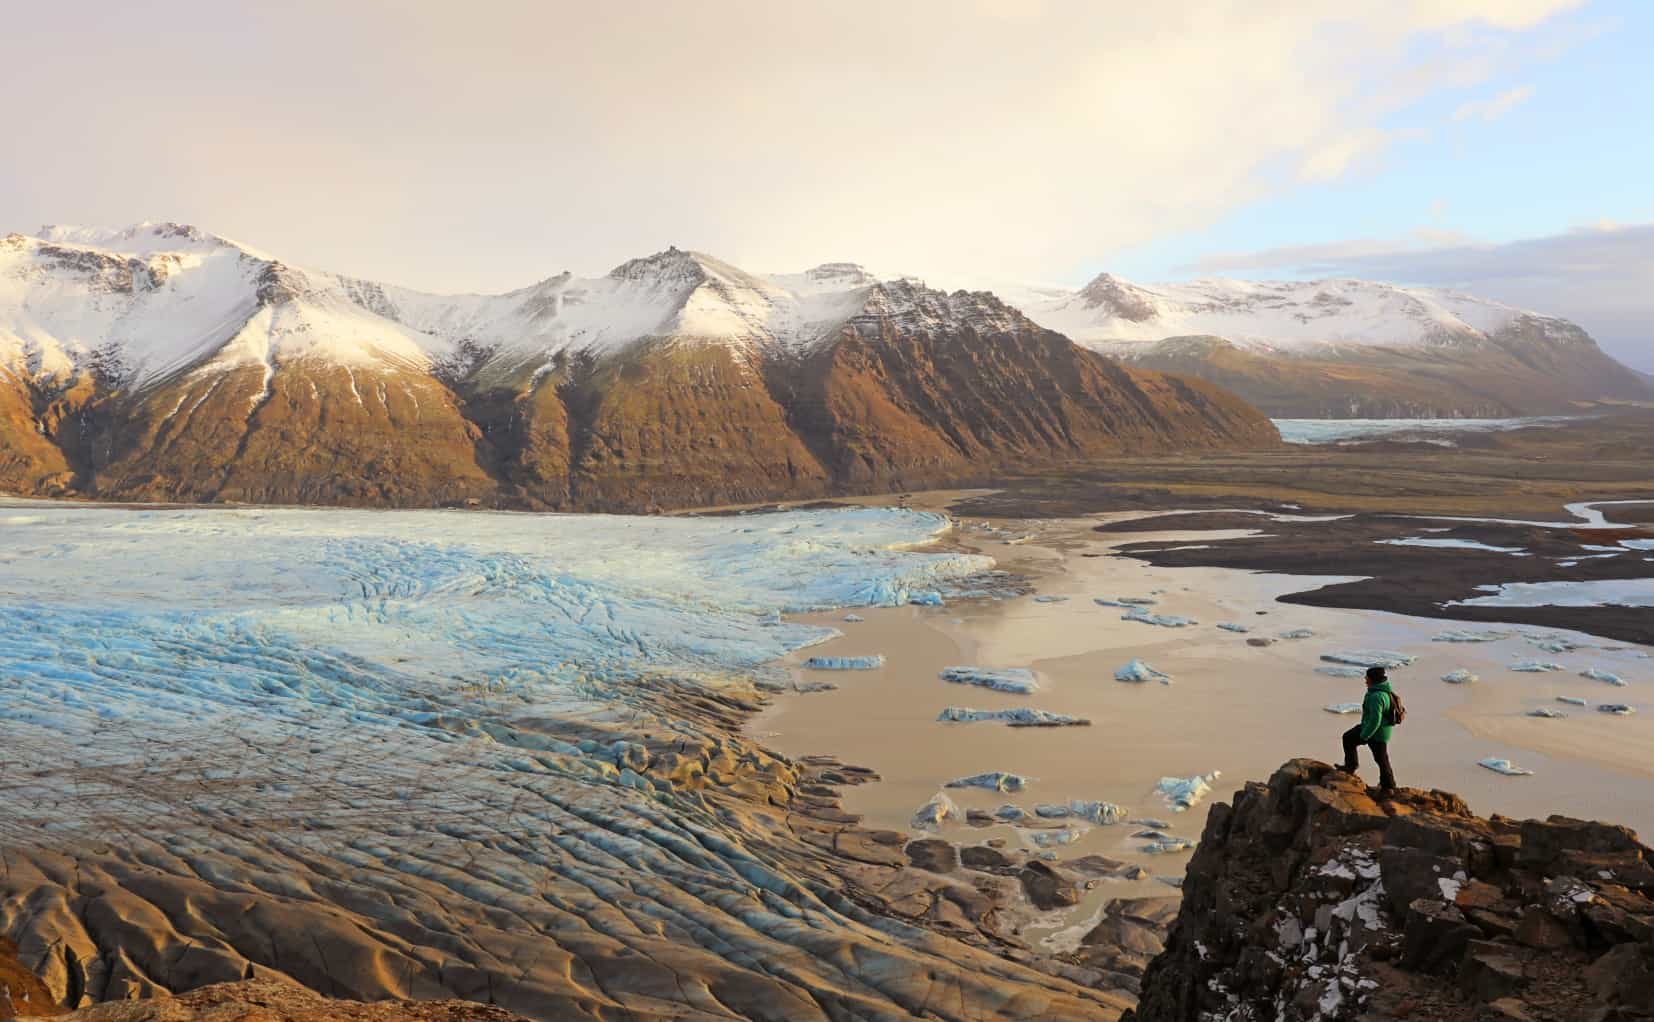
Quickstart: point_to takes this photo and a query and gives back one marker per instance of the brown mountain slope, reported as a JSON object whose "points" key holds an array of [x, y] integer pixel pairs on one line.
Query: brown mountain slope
{"points": [[1521, 371], [30, 462]]}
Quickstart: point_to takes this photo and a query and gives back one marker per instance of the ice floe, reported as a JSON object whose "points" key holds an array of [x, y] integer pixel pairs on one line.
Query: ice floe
{"points": [[1370, 658], [1461, 635], [1617, 709], [1017, 680], [994, 780], [1184, 793], [1343, 708], [1138, 671], [1504, 766], [1019, 717], [1608, 677], [1142, 616], [1168, 847], [1534, 667], [1046, 598], [1104, 814], [1573, 700], [845, 663], [1230, 626], [1460, 677]]}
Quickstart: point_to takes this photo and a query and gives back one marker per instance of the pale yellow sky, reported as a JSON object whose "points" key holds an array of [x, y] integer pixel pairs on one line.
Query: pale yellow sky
{"points": [[480, 145]]}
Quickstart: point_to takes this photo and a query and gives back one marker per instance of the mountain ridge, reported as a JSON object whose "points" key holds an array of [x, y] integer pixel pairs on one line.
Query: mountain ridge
{"points": [[176, 365], [1344, 348]]}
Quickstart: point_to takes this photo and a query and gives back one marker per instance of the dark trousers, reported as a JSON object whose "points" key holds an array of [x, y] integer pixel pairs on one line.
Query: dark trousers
{"points": [[1381, 755]]}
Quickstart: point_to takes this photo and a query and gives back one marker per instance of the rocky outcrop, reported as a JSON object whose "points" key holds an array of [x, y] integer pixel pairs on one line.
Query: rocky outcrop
{"points": [[1310, 898], [262, 1000]]}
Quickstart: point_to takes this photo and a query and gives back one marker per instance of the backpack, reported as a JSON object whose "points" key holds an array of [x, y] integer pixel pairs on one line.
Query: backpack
{"points": [[1396, 713]]}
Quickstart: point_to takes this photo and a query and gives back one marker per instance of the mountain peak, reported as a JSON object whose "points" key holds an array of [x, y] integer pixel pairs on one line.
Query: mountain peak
{"points": [[140, 239], [1118, 298]]}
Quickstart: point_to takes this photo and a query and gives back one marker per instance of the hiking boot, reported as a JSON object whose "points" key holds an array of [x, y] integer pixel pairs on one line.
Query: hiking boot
{"points": [[1349, 768]]}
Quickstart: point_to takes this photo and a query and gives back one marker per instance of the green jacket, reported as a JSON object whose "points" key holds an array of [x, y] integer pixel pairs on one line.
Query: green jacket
{"points": [[1375, 707]]}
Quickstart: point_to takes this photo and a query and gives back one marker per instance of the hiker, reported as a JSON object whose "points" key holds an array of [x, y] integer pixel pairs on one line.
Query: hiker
{"points": [[1380, 712]]}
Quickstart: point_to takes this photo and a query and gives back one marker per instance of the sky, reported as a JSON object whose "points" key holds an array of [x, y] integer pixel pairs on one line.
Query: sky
{"points": [[1498, 146]]}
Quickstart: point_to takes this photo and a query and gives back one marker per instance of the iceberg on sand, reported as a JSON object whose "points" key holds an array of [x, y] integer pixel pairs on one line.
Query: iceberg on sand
{"points": [[1230, 626], [1104, 814], [1142, 616], [1533, 667], [1370, 658], [1017, 680], [1572, 700], [1504, 766], [1139, 672], [1342, 672], [1547, 712], [1343, 708], [1460, 677], [1459, 635], [1604, 676]]}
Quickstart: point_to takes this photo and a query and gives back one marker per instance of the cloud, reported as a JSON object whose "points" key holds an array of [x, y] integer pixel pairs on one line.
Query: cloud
{"points": [[1495, 108], [469, 146], [1601, 276]]}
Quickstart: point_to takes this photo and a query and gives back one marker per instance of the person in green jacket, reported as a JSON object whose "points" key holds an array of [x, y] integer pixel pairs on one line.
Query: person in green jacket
{"points": [[1374, 731]]}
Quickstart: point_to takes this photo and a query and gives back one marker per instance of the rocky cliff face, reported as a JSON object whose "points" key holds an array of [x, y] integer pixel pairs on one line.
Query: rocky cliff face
{"points": [[162, 363], [1310, 899]]}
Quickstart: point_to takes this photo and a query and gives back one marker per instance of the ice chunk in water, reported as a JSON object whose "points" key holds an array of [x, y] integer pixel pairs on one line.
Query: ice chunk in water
{"points": [[1572, 700], [1607, 676], [1370, 658], [1124, 601], [1299, 633], [1533, 667], [1054, 838], [1184, 793], [1617, 709], [994, 780], [1546, 711], [1142, 616], [1168, 846], [1048, 598], [933, 814], [1459, 635], [1230, 626], [1460, 677], [845, 663], [1342, 672], [1343, 708], [1019, 680], [1019, 717], [1504, 766], [854, 618], [1104, 814], [925, 599], [1138, 671]]}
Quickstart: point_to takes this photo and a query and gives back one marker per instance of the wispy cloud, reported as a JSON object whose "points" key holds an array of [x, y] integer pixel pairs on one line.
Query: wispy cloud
{"points": [[1495, 108], [1600, 276]]}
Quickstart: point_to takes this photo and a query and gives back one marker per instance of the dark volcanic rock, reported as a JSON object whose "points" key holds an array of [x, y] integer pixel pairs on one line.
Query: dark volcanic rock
{"points": [[1302, 903]]}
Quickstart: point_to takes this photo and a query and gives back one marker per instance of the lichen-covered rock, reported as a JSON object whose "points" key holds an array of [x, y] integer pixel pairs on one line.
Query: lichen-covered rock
{"points": [[1308, 898]]}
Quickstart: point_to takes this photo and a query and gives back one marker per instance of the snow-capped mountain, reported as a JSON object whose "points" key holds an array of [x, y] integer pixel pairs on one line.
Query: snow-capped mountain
{"points": [[1333, 348], [164, 362]]}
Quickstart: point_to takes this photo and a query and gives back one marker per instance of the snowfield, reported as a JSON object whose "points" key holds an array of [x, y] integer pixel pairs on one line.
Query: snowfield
{"points": [[125, 634]]}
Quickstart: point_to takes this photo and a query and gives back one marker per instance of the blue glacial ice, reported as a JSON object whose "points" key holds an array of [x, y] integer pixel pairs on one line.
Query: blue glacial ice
{"points": [[1018, 680], [1139, 672], [1104, 814], [128, 632], [1342, 708], [845, 663], [1184, 793], [995, 780], [1573, 700], [1230, 626]]}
